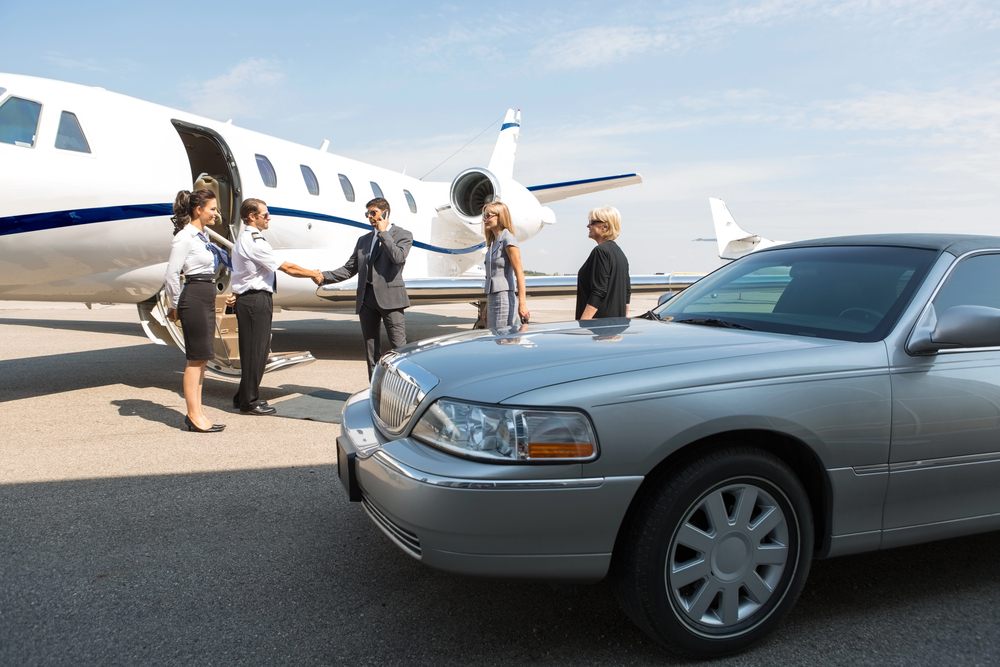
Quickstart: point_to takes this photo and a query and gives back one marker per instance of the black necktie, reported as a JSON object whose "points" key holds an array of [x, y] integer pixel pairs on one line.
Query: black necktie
{"points": [[374, 254]]}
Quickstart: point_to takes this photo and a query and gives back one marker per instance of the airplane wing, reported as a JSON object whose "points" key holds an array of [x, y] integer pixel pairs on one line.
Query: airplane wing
{"points": [[555, 191], [431, 291]]}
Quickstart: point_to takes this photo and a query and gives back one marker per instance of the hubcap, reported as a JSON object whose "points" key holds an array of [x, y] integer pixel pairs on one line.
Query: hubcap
{"points": [[727, 556]]}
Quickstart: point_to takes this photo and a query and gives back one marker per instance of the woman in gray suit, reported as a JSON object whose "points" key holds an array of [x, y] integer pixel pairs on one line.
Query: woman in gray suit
{"points": [[505, 299]]}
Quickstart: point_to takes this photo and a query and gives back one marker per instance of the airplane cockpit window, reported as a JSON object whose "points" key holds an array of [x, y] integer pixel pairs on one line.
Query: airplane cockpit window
{"points": [[345, 183], [410, 201], [312, 183], [376, 190], [19, 122], [267, 173], [70, 136]]}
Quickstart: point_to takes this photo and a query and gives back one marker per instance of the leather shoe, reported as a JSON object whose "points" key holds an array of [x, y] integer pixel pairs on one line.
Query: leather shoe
{"points": [[260, 410], [236, 403], [214, 428]]}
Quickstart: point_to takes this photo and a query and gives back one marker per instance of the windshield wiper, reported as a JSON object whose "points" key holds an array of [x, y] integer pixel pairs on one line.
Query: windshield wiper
{"points": [[712, 322]]}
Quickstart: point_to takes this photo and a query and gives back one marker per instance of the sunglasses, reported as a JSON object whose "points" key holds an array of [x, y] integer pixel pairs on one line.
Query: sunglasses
{"points": [[265, 216], [487, 216], [591, 223], [373, 213]]}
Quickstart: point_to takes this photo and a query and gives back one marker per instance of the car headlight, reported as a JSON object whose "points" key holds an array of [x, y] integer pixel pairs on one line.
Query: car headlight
{"points": [[500, 434]]}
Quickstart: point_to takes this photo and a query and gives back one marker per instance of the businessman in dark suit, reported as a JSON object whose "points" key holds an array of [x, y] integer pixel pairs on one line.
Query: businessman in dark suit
{"points": [[378, 261]]}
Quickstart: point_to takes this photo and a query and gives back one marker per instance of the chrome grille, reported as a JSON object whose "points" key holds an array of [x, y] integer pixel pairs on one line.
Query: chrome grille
{"points": [[398, 387], [404, 538]]}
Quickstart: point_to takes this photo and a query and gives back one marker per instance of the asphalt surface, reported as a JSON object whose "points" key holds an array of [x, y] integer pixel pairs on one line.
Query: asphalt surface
{"points": [[126, 541]]}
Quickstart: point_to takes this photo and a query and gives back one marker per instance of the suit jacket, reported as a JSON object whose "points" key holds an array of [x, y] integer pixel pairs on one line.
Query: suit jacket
{"points": [[387, 268]]}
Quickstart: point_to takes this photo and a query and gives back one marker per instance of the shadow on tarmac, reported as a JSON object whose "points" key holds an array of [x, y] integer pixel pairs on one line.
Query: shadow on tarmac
{"points": [[266, 567], [90, 326]]}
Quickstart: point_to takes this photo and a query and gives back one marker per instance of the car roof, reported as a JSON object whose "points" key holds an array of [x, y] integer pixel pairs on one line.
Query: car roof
{"points": [[956, 244]]}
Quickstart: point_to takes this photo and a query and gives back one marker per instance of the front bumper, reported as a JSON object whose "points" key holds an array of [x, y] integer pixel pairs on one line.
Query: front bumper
{"points": [[529, 522]]}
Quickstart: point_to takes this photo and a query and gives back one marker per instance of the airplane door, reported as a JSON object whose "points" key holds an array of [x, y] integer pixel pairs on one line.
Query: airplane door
{"points": [[214, 167]]}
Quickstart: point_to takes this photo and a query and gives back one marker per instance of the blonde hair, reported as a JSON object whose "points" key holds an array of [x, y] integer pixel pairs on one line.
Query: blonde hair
{"points": [[503, 217], [610, 216]]}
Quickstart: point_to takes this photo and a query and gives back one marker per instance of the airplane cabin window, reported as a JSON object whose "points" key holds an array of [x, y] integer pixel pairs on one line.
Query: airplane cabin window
{"points": [[410, 201], [19, 122], [312, 183], [376, 190], [345, 183], [70, 136], [267, 173]]}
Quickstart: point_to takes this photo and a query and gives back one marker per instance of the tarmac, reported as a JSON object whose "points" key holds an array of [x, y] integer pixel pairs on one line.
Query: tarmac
{"points": [[126, 540]]}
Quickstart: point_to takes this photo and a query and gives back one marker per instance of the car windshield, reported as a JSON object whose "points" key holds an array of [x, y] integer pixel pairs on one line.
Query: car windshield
{"points": [[843, 292]]}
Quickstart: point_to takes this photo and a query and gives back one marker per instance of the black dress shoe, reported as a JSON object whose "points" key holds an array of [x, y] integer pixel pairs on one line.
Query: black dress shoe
{"points": [[214, 428], [236, 403], [260, 410]]}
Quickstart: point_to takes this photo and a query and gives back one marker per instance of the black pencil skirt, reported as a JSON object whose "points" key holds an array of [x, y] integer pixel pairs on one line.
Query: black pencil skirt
{"points": [[196, 310]]}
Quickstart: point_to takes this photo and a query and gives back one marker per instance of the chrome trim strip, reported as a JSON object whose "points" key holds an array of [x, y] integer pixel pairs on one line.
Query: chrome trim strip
{"points": [[404, 539], [907, 466], [873, 469], [486, 484]]}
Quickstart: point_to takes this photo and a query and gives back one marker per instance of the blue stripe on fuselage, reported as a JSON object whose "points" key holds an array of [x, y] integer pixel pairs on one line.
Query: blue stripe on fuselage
{"points": [[37, 222]]}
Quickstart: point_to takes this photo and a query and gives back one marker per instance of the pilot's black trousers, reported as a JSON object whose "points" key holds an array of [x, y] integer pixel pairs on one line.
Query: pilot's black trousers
{"points": [[253, 315]]}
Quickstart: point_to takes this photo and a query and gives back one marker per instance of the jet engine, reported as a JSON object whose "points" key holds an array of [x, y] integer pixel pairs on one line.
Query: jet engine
{"points": [[473, 188]]}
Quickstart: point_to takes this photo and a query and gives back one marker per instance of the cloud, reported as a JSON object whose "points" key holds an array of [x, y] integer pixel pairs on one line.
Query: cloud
{"points": [[593, 47], [597, 46], [248, 90], [89, 64]]}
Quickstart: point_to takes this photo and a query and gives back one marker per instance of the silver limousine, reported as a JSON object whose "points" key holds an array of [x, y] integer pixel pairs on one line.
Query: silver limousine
{"points": [[810, 400]]}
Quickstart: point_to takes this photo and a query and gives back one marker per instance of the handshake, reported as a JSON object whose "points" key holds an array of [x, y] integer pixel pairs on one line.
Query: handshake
{"points": [[317, 277]]}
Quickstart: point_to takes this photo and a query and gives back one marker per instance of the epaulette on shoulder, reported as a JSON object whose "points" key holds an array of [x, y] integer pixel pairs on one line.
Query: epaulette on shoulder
{"points": [[256, 236]]}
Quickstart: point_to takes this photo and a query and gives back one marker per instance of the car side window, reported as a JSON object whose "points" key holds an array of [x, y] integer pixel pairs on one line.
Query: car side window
{"points": [[345, 185], [974, 282], [19, 122], [70, 136]]}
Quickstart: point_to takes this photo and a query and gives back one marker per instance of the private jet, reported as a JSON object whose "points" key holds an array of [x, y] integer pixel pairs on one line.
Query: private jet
{"points": [[89, 175]]}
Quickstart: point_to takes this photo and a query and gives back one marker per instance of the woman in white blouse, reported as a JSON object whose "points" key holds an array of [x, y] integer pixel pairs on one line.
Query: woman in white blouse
{"points": [[506, 304], [194, 302]]}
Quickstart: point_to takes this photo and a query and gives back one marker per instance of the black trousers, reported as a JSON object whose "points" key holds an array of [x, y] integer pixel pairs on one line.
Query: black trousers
{"points": [[372, 315], [253, 314]]}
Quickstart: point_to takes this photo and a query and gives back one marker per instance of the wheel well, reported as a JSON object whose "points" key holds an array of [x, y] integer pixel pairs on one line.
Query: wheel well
{"points": [[793, 452]]}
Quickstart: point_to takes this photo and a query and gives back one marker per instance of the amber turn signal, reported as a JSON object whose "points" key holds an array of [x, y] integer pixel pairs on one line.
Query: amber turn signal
{"points": [[560, 450]]}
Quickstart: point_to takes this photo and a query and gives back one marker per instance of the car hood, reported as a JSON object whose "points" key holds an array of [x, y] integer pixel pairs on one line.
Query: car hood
{"points": [[495, 365]]}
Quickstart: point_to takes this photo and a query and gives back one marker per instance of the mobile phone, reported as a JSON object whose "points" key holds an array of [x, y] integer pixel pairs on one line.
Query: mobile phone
{"points": [[385, 214]]}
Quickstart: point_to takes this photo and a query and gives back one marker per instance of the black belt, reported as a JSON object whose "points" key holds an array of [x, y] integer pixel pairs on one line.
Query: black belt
{"points": [[254, 291], [203, 278]]}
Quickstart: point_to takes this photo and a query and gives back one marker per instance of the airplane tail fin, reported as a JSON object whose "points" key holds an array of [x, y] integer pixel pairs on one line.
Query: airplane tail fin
{"points": [[734, 241], [502, 162]]}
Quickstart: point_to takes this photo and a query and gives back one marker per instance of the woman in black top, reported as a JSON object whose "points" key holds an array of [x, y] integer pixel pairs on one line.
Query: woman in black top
{"points": [[603, 288]]}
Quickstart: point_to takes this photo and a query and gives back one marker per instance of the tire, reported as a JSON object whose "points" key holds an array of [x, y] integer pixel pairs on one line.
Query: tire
{"points": [[717, 553]]}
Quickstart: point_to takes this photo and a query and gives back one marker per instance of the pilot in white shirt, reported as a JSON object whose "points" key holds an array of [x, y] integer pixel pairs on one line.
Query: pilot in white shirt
{"points": [[254, 267]]}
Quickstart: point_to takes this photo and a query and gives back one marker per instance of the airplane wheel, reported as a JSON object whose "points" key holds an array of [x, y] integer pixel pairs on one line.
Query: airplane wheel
{"points": [[717, 554]]}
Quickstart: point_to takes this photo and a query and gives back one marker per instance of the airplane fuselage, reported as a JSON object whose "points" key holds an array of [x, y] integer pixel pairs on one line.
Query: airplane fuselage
{"points": [[94, 226]]}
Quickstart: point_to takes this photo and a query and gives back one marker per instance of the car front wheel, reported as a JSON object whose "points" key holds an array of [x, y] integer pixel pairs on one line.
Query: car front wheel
{"points": [[717, 553]]}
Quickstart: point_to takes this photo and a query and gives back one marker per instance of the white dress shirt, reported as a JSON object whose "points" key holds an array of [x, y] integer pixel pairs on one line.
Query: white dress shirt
{"points": [[189, 254], [254, 262]]}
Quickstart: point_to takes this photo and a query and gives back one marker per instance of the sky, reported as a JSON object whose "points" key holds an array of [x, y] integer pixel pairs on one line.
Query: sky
{"points": [[810, 118]]}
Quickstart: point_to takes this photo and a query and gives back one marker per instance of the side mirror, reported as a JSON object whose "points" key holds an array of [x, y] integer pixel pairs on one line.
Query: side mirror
{"points": [[666, 296], [958, 327]]}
